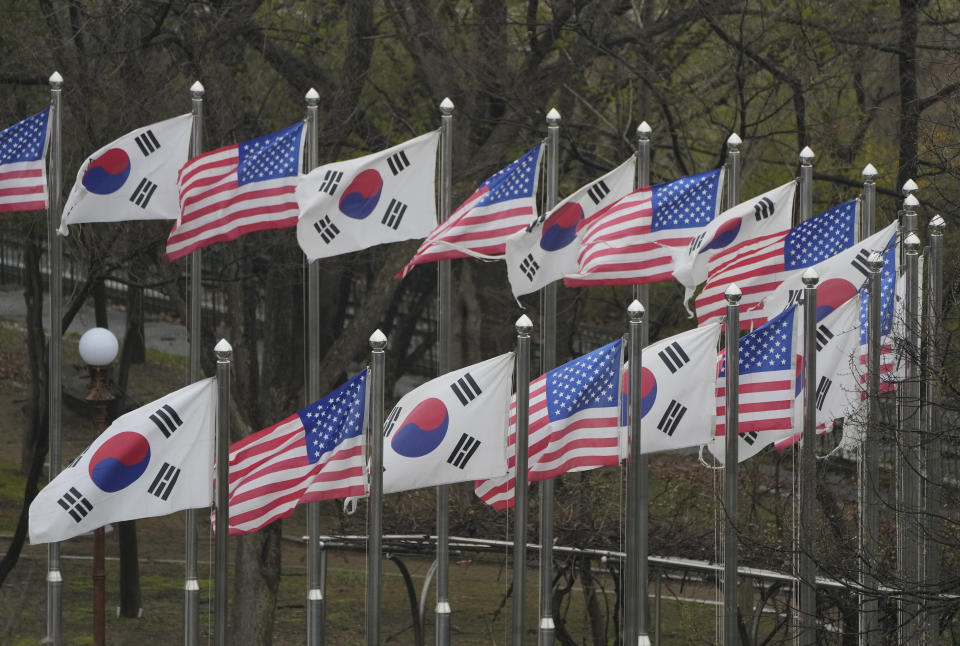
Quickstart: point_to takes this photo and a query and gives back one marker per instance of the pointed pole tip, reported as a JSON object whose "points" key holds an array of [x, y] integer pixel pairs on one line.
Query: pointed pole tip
{"points": [[806, 155], [911, 202], [312, 95], [223, 349], [524, 325], [937, 223], [869, 172], [553, 117], [55, 79], [733, 294], [910, 187], [446, 106], [635, 311], [810, 277], [644, 130], [378, 340], [912, 242], [197, 88], [734, 140], [875, 261]]}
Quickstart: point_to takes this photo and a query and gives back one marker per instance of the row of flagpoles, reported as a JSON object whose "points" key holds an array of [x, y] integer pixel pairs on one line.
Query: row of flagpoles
{"points": [[636, 615]]}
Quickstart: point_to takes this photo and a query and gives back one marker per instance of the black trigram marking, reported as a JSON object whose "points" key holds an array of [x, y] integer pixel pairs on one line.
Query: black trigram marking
{"points": [[793, 296], [391, 421], [147, 142], [598, 191], [463, 451], [74, 461], [326, 228], [397, 162], [466, 389], [822, 389], [696, 242], [674, 357], [75, 504], [165, 481], [529, 267], [823, 337], [142, 194], [763, 209], [331, 181], [750, 437], [166, 420], [860, 263], [671, 417], [394, 214]]}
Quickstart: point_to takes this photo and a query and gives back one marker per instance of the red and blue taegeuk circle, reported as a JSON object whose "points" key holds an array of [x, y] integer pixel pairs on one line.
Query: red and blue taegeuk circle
{"points": [[725, 235], [831, 294], [560, 227], [119, 461], [108, 172], [423, 429], [360, 198], [648, 394]]}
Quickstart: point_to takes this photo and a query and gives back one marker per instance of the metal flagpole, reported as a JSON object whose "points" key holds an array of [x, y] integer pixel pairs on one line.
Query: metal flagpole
{"points": [[731, 635], [636, 597], [866, 487], [548, 359], [642, 178], [445, 365], [54, 381], [801, 592], [733, 170], [808, 466], [933, 445], [869, 459], [910, 447], [378, 343], [191, 587], [315, 600], [224, 354], [523, 326], [869, 208]]}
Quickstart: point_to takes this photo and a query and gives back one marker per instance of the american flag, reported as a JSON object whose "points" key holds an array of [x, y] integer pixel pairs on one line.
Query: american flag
{"points": [[889, 286], [759, 271], [315, 454], [23, 175], [630, 242], [503, 205], [767, 374], [238, 189], [573, 423]]}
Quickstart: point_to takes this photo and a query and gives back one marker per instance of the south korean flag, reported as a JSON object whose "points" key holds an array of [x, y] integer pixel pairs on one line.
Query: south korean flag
{"points": [[547, 250], [450, 429], [678, 376], [388, 196], [132, 178], [152, 461]]}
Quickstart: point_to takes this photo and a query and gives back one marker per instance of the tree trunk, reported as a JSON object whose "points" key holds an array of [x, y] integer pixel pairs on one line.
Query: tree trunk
{"points": [[255, 592], [909, 102]]}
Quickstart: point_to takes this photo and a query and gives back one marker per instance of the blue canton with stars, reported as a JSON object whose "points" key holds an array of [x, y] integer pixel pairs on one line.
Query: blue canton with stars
{"points": [[821, 237], [270, 157], [769, 347], [23, 142], [335, 418], [587, 382], [888, 288], [686, 202], [513, 182]]}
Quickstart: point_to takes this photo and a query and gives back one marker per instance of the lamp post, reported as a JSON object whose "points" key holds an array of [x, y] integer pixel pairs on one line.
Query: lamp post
{"points": [[98, 349]]}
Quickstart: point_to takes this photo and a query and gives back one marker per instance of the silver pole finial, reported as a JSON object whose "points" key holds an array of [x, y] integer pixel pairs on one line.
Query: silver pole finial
{"points": [[911, 243], [56, 80], [553, 117], [734, 141], [378, 340], [875, 261], [312, 97], [524, 325], [910, 203], [224, 350], [733, 294], [910, 187], [636, 311], [446, 106], [937, 224], [644, 130], [869, 173], [806, 155], [196, 90], [810, 277]]}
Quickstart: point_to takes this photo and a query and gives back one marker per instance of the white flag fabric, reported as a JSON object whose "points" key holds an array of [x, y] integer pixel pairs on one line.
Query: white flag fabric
{"points": [[132, 178], [388, 196], [152, 461], [679, 376], [736, 232], [450, 429], [547, 250]]}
